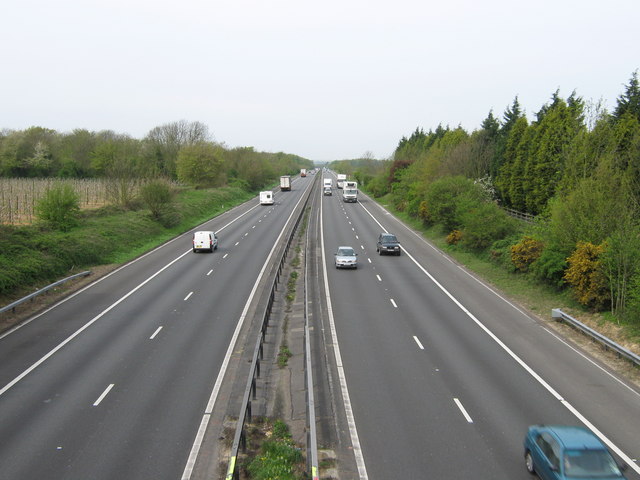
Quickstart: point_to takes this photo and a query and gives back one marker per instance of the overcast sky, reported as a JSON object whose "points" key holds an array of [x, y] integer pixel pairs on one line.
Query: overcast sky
{"points": [[324, 80]]}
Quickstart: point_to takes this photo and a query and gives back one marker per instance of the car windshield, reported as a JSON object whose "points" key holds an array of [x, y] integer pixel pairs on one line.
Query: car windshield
{"points": [[590, 464], [345, 252], [389, 238]]}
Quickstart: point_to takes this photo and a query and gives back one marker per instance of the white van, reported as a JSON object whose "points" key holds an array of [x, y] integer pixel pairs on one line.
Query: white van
{"points": [[266, 198], [203, 240]]}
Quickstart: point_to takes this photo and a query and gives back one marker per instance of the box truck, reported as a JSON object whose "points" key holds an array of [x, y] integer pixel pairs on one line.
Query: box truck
{"points": [[285, 183], [350, 192], [266, 198], [303, 172], [327, 186], [341, 179]]}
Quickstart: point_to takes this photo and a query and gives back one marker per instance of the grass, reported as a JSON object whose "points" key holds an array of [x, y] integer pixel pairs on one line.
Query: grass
{"points": [[277, 457], [291, 286], [33, 256]]}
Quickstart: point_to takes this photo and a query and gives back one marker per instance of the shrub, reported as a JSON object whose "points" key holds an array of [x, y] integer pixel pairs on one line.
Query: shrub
{"points": [[525, 252], [500, 252], [586, 276], [483, 224], [454, 237], [156, 195], [550, 267], [158, 198], [59, 207], [632, 307]]}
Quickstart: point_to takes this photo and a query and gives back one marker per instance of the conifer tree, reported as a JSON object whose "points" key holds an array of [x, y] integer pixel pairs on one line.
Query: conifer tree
{"points": [[629, 101], [509, 118]]}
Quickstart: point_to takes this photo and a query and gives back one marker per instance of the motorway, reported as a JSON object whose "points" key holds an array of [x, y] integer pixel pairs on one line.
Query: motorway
{"points": [[437, 375], [113, 382], [444, 374]]}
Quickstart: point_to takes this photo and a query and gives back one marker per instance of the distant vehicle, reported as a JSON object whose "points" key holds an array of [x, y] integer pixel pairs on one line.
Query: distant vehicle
{"points": [[326, 190], [285, 183], [266, 197], [341, 179], [303, 172], [557, 452], [350, 192], [204, 240], [346, 257], [388, 243]]}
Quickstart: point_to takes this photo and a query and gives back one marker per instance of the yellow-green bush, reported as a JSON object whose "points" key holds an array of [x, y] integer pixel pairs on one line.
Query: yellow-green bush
{"points": [[525, 252], [454, 237], [586, 276]]}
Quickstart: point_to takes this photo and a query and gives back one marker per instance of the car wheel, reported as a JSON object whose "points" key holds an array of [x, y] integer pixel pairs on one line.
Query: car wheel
{"points": [[399, 253], [528, 461], [194, 250]]}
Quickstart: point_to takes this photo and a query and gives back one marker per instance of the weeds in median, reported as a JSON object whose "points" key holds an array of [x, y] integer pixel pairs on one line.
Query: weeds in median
{"points": [[278, 457]]}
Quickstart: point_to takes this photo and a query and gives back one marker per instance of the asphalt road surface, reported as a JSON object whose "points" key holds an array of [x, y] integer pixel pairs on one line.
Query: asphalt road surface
{"points": [[443, 374], [434, 374]]}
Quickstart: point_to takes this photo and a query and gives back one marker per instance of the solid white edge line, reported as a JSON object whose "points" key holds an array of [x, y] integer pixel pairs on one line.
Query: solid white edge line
{"points": [[104, 394], [462, 409], [195, 449], [518, 360], [353, 431]]}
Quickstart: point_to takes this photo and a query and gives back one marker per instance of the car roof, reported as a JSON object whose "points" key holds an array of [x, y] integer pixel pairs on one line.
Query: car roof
{"points": [[347, 247], [575, 437]]}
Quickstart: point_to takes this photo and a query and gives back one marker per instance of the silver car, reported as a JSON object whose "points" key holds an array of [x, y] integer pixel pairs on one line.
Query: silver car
{"points": [[346, 257]]}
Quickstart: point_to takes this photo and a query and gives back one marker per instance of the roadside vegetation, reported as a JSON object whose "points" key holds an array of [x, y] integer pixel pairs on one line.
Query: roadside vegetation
{"points": [[70, 201], [574, 170], [275, 454]]}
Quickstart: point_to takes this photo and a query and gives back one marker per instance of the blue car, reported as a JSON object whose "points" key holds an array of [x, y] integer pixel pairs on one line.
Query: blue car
{"points": [[555, 452]]}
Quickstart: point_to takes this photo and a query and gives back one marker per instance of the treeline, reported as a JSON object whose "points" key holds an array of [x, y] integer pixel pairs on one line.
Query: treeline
{"points": [[180, 151], [576, 167]]}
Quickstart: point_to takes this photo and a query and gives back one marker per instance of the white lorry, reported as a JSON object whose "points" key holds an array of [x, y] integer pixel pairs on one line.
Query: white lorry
{"points": [[266, 198], [341, 179], [303, 172], [350, 191], [285, 183]]}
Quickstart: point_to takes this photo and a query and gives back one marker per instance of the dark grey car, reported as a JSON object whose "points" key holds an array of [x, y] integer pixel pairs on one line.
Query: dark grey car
{"points": [[388, 243]]}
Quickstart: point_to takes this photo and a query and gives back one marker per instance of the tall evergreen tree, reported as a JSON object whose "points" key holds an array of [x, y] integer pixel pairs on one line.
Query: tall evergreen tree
{"points": [[629, 101], [519, 147], [556, 129], [509, 118], [491, 125]]}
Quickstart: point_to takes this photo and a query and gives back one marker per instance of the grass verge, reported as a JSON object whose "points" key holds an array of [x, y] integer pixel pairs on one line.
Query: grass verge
{"points": [[33, 256]]}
